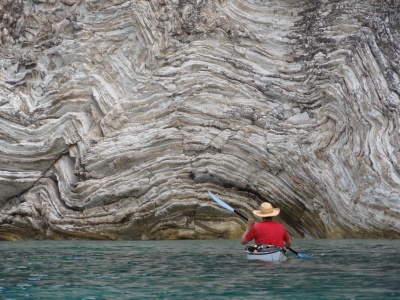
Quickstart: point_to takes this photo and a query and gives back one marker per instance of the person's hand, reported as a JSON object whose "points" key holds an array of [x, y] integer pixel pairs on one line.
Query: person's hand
{"points": [[250, 223]]}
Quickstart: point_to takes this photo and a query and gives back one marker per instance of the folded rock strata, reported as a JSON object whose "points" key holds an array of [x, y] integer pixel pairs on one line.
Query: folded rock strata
{"points": [[117, 117]]}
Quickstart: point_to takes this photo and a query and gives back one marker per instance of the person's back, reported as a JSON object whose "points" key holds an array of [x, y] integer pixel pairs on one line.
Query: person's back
{"points": [[268, 232]]}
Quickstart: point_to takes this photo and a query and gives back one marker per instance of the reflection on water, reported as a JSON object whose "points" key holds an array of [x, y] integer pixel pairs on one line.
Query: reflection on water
{"points": [[217, 269]]}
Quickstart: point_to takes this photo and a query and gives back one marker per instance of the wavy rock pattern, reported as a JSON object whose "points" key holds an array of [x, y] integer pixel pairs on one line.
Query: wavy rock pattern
{"points": [[116, 117]]}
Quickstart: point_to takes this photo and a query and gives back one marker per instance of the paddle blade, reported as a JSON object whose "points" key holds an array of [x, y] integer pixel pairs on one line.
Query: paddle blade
{"points": [[220, 202], [299, 255], [303, 255]]}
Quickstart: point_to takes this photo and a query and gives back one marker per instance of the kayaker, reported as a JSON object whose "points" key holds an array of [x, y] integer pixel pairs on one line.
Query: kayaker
{"points": [[267, 232]]}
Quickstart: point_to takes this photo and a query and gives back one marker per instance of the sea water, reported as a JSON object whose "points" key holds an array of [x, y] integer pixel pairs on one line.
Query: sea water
{"points": [[197, 269]]}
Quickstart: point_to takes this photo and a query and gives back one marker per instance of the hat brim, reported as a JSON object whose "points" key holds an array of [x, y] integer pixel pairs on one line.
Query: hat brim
{"points": [[275, 212]]}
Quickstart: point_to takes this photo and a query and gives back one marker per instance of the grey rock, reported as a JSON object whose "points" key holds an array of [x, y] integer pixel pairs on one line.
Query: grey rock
{"points": [[117, 117]]}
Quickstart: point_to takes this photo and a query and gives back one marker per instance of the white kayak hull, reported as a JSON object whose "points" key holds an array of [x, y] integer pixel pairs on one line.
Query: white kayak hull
{"points": [[276, 256]]}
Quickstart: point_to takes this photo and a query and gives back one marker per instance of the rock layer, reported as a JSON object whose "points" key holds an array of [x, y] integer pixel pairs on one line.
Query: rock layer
{"points": [[116, 117]]}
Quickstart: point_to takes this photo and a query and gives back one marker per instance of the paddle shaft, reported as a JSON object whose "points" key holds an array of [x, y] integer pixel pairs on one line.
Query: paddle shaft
{"points": [[240, 215]]}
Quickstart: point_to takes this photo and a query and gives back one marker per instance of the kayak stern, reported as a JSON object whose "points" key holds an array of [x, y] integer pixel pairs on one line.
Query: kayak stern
{"points": [[265, 253]]}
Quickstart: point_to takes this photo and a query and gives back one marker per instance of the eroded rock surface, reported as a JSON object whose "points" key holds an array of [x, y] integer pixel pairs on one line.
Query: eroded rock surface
{"points": [[116, 117]]}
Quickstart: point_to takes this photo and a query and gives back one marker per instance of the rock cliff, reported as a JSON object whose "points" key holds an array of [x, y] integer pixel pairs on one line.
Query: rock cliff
{"points": [[117, 116]]}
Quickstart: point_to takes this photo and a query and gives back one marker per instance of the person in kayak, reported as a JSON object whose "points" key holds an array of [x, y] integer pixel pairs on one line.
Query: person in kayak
{"points": [[267, 232]]}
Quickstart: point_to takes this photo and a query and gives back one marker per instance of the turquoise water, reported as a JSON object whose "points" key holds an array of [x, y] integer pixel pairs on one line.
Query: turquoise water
{"points": [[210, 269]]}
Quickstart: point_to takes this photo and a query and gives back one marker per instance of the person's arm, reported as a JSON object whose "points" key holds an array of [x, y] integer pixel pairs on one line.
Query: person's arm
{"points": [[288, 241], [250, 224]]}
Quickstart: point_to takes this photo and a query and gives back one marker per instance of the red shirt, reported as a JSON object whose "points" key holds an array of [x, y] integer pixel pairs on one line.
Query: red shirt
{"points": [[268, 233]]}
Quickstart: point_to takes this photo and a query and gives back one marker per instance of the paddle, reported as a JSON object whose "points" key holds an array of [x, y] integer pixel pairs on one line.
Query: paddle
{"points": [[228, 207]]}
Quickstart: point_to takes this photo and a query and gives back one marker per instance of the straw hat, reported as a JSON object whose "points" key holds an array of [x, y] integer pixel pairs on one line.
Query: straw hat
{"points": [[266, 210]]}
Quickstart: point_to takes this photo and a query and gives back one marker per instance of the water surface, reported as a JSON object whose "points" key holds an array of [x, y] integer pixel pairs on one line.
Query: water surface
{"points": [[212, 269]]}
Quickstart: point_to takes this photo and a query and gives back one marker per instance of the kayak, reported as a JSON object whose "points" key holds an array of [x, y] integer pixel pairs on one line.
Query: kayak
{"points": [[265, 253]]}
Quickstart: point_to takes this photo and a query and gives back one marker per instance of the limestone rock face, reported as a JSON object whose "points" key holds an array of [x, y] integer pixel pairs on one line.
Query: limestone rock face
{"points": [[116, 117]]}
